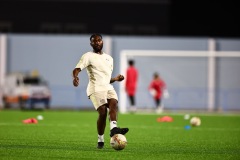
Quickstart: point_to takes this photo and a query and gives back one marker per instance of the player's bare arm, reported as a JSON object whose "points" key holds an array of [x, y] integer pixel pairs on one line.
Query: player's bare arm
{"points": [[75, 76], [117, 78]]}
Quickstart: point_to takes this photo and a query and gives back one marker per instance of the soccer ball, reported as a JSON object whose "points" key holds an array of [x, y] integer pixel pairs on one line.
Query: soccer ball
{"points": [[118, 142], [40, 117], [195, 121]]}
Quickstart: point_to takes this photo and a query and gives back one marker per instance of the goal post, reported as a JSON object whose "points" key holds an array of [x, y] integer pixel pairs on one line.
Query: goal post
{"points": [[211, 55], [3, 62]]}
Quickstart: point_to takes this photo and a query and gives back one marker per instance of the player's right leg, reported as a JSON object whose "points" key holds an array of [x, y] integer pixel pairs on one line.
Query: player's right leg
{"points": [[99, 101], [101, 124]]}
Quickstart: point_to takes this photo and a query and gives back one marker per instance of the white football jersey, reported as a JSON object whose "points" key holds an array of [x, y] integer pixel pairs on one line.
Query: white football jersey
{"points": [[99, 69]]}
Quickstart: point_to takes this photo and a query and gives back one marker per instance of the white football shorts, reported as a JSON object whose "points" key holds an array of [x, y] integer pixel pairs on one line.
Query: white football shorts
{"points": [[100, 98]]}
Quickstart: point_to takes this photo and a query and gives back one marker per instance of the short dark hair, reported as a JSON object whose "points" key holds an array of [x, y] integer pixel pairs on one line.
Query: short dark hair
{"points": [[131, 62], [95, 34], [156, 74]]}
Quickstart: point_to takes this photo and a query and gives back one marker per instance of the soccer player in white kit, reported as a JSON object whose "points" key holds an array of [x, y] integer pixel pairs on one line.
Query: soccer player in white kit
{"points": [[99, 66]]}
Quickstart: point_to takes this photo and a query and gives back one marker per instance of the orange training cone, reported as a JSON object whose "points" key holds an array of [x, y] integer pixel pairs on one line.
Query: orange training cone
{"points": [[30, 120]]}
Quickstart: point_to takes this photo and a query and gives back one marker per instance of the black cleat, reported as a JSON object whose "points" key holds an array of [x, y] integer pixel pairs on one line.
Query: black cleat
{"points": [[117, 130], [100, 145]]}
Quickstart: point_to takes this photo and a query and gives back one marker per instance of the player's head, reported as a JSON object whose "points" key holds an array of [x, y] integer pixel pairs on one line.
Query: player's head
{"points": [[131, 62], [155, 75], [96, 42]]}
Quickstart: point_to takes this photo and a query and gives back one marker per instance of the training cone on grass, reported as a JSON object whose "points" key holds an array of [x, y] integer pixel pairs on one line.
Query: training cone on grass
{"points": [[165, 119], [30, 120]]}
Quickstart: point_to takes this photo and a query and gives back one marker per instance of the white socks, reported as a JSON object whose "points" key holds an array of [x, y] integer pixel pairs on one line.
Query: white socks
{"points": [[101, 138], [113, 124]]}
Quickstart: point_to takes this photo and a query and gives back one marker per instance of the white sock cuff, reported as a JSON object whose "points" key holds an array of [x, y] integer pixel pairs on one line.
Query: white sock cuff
{"points": [[101, 138], [113, 124]]}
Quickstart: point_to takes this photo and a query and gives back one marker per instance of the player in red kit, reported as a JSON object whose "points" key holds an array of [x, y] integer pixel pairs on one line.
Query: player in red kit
{"points": [[131, 84], [156, 88]]}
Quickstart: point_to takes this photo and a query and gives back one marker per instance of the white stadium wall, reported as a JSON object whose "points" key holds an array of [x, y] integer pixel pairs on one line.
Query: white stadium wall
{"points": [[189, 78]]}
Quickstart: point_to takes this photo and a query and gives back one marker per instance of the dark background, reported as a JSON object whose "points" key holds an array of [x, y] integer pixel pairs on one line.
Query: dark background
{"points": [[121, 17]]}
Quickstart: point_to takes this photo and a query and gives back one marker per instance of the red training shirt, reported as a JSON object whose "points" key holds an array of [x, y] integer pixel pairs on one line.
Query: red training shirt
{"points": [[131, 80]]}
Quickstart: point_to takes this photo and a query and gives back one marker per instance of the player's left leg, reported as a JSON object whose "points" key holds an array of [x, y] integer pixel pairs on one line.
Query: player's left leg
{"points": [[113, 113], [157, 100], [159, 108], [132, 108], [132, 100]]}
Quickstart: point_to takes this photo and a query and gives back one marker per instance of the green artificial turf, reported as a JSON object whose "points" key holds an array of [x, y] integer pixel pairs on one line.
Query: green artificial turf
{"points": [[72, 135]]}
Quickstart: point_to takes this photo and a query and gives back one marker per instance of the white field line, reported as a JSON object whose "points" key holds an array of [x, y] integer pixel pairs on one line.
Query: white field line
{"points": [[138, 126], [196, 128], [38, 124], [191, 113]]}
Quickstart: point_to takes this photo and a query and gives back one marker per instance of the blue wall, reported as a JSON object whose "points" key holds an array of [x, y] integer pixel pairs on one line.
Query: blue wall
{"points": [[56, 56]]}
